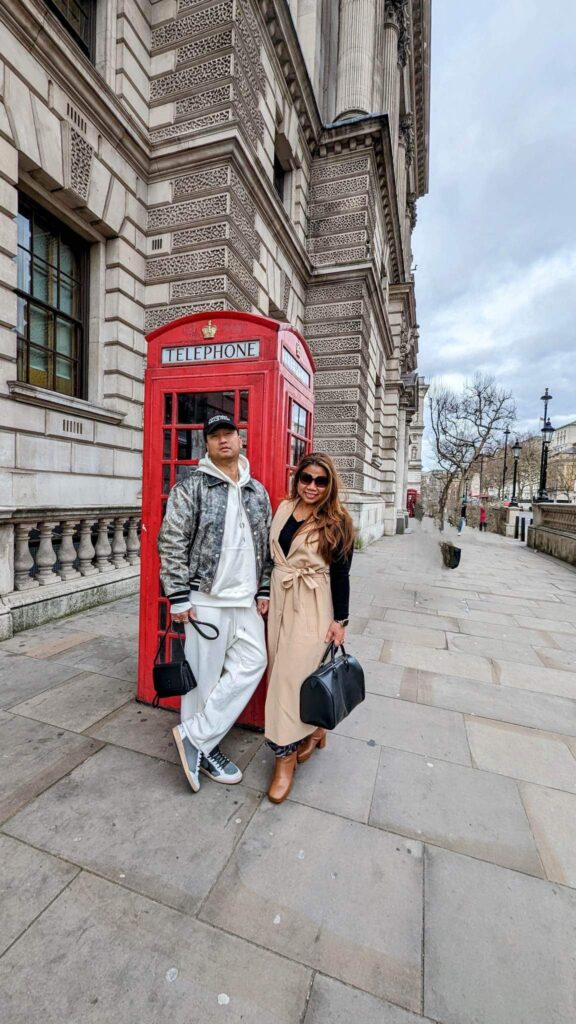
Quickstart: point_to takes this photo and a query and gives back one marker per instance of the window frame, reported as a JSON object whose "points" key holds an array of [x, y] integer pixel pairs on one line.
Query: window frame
{"points": [[78, 322]]}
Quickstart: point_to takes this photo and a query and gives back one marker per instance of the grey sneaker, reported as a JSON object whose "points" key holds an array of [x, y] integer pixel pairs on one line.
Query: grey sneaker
{"points": [[189, 755], [220, 768]]}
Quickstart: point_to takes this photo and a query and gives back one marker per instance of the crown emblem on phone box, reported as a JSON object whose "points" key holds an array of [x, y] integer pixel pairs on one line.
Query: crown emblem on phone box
{"points": [[210, 330]]}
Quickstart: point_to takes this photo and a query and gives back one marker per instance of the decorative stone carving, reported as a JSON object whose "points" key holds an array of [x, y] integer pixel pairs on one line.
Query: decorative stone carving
{"points": [[330, 293], [200, 100], [340, 206], [182, 81], [203, 233], [46, 556], [67, 553], [203, 47], [334, 225], [412, 210], [196, 288], [213, 177], [23, 561], [337, 241], [406, 136], [186, 263], [337, 311], [317, 330], [331, 189], [86, 550], [323, 171], [178, 28], [198, 124], [344, 256], [80, 164], [184, 213], [157, 316]]}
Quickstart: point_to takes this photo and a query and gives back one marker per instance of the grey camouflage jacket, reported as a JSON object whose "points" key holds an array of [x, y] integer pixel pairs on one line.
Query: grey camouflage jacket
{"points": [[190, 538]]}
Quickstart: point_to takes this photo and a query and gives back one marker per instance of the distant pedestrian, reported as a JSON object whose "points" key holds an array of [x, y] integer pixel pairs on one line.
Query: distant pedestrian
{"points": [[482, 519], [462, 522]]}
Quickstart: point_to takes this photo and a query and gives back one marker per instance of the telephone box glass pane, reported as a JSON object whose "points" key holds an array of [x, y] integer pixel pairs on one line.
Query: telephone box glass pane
{"points": [[243, 406], [299, 415], [165, 479], [297, 450], [182, 472], [197, 408], [166, 451], [190, 445], [167, 408]]}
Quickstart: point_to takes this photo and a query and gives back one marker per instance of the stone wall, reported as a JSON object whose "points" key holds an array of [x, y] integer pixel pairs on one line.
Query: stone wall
{"points": [[554, 531]]}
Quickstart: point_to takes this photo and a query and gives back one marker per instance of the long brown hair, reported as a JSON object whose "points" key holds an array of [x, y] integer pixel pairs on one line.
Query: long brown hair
{"points": [[332, 522]]}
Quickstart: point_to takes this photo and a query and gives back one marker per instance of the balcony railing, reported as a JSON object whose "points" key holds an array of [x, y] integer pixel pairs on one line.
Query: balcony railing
{"points": [[51, 547]]}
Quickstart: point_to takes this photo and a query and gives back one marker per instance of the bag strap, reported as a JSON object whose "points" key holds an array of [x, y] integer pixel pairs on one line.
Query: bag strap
{"points": [[196, 624], [332, 650]]}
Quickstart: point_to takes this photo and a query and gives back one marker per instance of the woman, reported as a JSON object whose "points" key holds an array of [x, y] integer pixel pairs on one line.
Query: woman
{"points": [[311, 541]]}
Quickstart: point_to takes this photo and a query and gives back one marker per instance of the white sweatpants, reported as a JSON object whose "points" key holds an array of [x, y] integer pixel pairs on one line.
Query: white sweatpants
{"points": [[227, 671]]}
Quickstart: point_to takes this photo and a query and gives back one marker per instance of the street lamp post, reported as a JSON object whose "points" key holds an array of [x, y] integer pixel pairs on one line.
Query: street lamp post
{"points": [[506, 436], [516, 449], [547, 431]]}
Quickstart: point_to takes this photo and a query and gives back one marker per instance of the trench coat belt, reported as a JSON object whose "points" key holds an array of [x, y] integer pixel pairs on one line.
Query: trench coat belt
{"points": [[292, 579]]}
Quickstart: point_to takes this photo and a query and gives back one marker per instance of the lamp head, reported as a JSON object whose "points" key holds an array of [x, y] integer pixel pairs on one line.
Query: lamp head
{"points": [[516, 449], [547, 431]]}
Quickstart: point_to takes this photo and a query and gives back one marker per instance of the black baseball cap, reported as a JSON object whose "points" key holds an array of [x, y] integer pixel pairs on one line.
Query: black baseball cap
{"points": [[217, 422]]}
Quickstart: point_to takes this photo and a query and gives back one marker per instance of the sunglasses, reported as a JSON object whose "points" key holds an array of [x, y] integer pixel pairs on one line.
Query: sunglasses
{"points": [[307, 478]]}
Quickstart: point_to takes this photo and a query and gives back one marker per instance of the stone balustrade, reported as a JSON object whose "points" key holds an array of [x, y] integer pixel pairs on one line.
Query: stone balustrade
{"points": [[51, 547], [554, 531]]}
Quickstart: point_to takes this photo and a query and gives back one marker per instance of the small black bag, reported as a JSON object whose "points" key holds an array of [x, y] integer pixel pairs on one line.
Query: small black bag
{"points": [[175, 678], [330, 693], [450, 554]]}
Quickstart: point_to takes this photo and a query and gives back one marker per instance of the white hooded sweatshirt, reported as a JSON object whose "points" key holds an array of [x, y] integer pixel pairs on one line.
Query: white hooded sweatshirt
{"points": [[235, 582]]}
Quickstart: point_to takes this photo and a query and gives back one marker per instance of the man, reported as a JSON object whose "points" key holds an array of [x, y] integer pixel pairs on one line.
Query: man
{"points": [[216, 567], [462, 521]]}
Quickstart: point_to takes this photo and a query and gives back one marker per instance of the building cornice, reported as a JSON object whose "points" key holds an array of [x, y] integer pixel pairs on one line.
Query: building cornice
{"points": [[282, 33], [421, 85]]}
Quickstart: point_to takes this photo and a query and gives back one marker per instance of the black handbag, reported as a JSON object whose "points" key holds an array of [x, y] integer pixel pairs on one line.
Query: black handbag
{"points": [[175, 678], [330, 693]]}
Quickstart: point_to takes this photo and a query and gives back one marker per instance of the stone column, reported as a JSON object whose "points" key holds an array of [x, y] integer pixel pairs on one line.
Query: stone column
{"points": [[355, 81], [400, 501], [394, 16]]}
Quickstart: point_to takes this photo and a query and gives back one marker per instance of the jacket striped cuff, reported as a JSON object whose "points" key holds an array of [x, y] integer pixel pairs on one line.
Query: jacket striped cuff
{"points": [[180, 602]]}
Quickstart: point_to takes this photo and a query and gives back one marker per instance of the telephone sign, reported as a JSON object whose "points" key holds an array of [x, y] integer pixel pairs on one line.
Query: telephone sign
{"points": [[258, 371]]}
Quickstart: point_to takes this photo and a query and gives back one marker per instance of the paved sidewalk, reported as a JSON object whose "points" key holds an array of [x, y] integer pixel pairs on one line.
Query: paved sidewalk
{"points": [[424, 868]]}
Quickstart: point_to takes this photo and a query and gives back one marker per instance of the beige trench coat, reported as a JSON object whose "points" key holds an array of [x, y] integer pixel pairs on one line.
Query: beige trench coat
{"points": [[298, 620]]}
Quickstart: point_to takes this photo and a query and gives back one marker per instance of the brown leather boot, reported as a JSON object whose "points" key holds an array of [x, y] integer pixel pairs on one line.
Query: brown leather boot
{"points": [[309, 744], [282, 779]]}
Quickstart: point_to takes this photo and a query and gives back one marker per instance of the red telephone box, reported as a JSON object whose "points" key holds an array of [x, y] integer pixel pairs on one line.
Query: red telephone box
{"points": [[255, 369]]}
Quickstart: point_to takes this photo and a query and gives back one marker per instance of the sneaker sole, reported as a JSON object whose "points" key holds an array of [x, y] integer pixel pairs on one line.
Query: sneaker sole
{"points": [[194, 784], [223, 782]]}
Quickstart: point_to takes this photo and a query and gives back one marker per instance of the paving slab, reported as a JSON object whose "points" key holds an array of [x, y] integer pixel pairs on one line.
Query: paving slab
{"points": [[407, 726], [149, 730], [106, 655], [548, 625], [33, 756], [565, 641], [541, 680], [103, 955], [427, 620], [387, 680], [505, 631], [299, 880], [551, 657], [520, 707], [22, 677], [331, 1002], [450, 663], [29, 881], [339, 778], [406, 634], [459, 808], [79, 703], [489, 647], [44, 641], [552, 815], [500, 946], [527, 754], [145, 828]]}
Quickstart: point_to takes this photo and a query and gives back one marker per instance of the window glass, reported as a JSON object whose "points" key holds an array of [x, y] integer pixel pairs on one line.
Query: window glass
{"points": [[299, 419], [297, 450], [190, 445], [49, 313], [166, 450], [167, 408], [243, 406], [196, 408]]}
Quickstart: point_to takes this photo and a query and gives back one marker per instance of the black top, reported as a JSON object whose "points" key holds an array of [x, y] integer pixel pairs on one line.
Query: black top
{"points": [[339, 569]]}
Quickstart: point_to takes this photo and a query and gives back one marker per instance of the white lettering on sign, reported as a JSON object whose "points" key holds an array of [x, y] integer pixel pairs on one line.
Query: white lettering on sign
{"points": [[209, 353], [293, 365]]}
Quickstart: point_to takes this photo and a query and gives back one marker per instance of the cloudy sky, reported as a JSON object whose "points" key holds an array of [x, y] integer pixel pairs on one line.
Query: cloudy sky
{"points": [[495, 243]]}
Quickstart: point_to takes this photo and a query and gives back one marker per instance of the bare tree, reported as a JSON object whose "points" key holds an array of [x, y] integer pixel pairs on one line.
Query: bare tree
{"points": [[562, 474], [465, 426]]}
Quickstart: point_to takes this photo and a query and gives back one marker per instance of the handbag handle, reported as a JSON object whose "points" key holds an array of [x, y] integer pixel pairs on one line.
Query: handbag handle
{"points": [[196, 624], [333, 649]]}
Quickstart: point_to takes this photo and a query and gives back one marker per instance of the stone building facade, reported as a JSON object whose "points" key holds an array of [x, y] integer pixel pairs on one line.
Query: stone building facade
{"points": [[162, 157]]}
